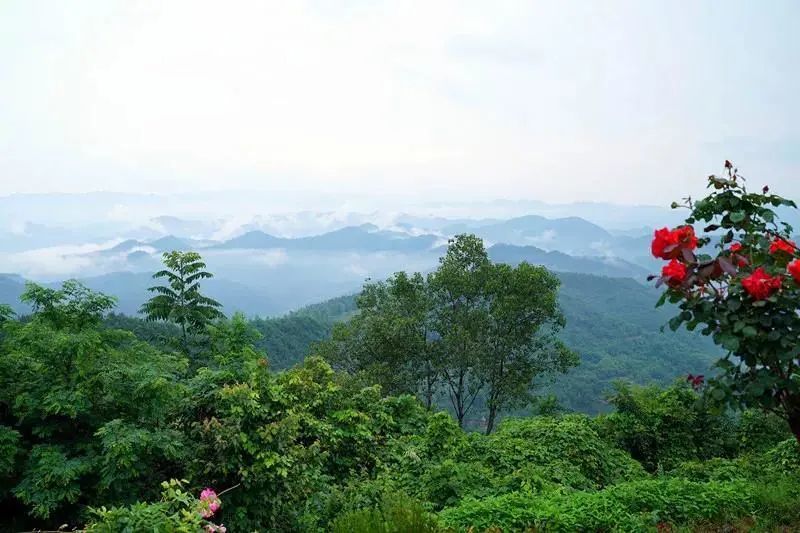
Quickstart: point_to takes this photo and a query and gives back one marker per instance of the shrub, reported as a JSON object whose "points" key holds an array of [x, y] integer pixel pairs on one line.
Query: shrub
{"points": [[396, 514], [568, 449], [783, 458], [178, 511], [632, 506], [663, 427]]}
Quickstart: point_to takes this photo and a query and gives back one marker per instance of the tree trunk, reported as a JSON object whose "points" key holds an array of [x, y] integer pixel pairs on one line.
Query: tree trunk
{"points": [[460, 411], [185, 340], [428, 394], [491, 419]]}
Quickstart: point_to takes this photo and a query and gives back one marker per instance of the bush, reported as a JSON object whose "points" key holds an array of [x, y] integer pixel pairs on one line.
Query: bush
{"points": [[662, 428], [632, 506], [783, 458], [396, 514], [177, 512], [568, 450]]}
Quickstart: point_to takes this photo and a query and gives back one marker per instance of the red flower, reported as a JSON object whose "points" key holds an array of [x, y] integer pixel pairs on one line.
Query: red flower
{"points": [[735, 250], [695, 381], [794, 270], [663, 238], [674, 272], [667, 244], [781, 245], [761, 285]]}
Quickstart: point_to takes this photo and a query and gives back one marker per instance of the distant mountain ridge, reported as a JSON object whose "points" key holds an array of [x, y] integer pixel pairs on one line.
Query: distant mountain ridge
{"points": [[561, 262], [366, 237]]}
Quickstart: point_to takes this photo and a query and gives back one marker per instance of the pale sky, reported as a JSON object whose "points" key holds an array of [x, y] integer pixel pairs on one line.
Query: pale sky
{"points": [[633, 102]]}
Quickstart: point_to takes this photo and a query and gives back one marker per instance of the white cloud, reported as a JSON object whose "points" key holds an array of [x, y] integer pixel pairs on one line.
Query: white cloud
{"points": [[59, 261]]}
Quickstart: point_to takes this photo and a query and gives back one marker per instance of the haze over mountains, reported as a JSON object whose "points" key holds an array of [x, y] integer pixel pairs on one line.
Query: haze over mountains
{"points": [[271, 262], [269, 259]]}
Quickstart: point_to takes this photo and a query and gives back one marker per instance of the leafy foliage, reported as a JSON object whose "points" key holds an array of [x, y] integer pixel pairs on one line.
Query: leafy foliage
{"points": [[396, 514], [176, 512], [632, 506], [65, 382]]}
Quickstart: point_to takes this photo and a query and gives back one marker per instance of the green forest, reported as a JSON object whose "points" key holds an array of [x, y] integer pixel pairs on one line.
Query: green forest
{"points": [[477, 397]]}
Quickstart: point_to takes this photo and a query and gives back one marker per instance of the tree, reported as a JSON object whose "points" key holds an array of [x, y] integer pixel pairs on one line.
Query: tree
{"points": [[497, 325], [479, 331], [90, 408], [180, 301], [524, 320], [390, 340], [461, 319], [73, 306], [744, 294]]}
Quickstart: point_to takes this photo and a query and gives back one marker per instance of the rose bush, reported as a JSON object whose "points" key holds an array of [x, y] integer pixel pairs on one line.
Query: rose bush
{"points": [[739, 281]]}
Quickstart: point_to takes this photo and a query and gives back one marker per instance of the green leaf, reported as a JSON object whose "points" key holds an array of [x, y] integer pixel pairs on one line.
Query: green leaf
{"points": [[749, 331]]}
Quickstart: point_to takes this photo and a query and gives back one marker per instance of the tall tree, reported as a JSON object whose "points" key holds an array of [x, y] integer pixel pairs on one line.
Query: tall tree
{"points": [[461, 320], [479, 332], [180, 300], [522, 343]]}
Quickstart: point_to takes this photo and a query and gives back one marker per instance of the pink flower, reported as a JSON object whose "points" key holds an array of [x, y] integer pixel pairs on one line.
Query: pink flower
{"points": [[210, 503]]}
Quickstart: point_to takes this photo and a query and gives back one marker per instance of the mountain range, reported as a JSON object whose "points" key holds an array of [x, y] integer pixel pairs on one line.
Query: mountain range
{"points": [[295, 283]]}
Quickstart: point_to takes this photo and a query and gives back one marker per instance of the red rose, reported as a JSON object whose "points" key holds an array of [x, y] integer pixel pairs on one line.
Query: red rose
{"points": [[663, 238], [736, 247], [781, 245], [667, 244], [686, 237], [674, 273], [760, 285], [794, 270]]}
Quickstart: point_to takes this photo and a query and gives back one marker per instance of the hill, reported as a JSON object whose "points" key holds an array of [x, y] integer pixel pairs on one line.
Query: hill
{"points": [[363, 238], [611, 323], [561, 262], [11, 288], [569, 234]]}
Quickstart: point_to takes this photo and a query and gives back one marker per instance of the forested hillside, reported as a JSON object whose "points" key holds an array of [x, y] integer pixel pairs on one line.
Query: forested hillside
{"points": [[611, 322], [614, 326]]}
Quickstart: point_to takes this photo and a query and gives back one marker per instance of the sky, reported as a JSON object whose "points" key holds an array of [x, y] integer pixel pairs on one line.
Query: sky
{"points": [[627, 102]]}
